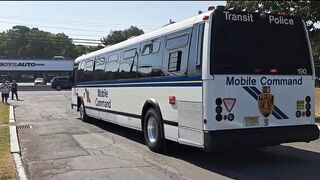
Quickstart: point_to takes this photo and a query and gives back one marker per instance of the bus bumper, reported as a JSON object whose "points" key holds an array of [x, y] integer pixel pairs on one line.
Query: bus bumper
{"points": [[259, 137]]}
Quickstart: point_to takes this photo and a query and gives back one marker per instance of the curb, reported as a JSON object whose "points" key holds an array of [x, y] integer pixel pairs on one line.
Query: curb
{"points": [[14, 146]]}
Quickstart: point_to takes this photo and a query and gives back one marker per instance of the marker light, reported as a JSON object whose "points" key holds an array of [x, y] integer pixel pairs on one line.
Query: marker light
{"points": [[172, 100], [210, 8], [273, 70], [205, 18], [282, 13], [218, 109]]}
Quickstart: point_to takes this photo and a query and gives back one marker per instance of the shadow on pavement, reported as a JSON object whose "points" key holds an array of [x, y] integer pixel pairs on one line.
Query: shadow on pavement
{"points": [[278, 162]]}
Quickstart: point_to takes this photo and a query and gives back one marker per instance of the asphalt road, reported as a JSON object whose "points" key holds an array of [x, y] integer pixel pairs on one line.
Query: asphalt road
{"points": [[60, 146]]}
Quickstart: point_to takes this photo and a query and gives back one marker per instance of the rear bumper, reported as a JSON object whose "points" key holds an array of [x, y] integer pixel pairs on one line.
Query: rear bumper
{"points": [[259, 137]]}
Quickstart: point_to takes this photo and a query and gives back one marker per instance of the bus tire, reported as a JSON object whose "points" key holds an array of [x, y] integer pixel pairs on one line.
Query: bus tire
{"points": [[58, 88], [152, 130], [83, 114]]}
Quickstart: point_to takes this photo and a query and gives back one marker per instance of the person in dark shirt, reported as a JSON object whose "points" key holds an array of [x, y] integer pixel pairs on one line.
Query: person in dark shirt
{"points": [[14, 89]]}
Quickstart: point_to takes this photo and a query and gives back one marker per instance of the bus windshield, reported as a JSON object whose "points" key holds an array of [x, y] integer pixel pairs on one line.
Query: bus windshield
{"points": [[252, 43]]}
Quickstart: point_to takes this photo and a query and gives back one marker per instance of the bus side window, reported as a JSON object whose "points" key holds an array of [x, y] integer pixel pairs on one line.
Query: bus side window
{"points": [[150, 61], [176, 54], [195, 54], [174, 61], [80, 71], [74, 77], [99, 68], [128, 64], [150, 47], [112, 66], [88, 70]]}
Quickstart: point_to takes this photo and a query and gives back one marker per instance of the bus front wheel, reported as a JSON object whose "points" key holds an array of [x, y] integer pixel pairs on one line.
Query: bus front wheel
{"points": [[83, 115], [152, 131]]}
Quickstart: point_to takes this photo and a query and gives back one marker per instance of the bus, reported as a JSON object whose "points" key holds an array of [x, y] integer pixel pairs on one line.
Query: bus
{"points": [[220, 79]]}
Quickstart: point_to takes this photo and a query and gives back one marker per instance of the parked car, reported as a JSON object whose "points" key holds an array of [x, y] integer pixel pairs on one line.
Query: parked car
{"points": [[61, 82], [39, 81]]}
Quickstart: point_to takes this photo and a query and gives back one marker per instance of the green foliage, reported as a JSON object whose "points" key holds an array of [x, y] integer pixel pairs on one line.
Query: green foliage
{"points": [[119, 35], [23, 42], [309, 11]]}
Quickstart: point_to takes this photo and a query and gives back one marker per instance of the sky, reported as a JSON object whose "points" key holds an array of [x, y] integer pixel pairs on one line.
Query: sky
{"points": [[95, 19]]}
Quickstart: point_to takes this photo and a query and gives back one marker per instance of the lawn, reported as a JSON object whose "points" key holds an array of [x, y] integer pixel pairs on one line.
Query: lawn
{"points": [[7, 169]]}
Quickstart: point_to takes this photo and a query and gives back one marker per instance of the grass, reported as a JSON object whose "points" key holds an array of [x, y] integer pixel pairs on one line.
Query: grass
{"points": [[7, 169]]}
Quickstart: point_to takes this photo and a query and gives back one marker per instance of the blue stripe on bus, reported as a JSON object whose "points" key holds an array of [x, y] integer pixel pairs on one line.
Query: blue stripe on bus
{"points": [[149, 82]]}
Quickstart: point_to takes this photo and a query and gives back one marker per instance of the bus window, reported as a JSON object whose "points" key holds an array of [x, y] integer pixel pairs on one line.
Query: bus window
{"points": [[88, 70], [129, 53], [174, 61], [112, 66], [259, 46], [128, 65], [99, 68], [80, 71], [150, 48], [177, 42]]}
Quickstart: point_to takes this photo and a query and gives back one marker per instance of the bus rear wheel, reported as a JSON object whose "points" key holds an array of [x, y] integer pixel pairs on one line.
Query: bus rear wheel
{"points": [[152, 131]]}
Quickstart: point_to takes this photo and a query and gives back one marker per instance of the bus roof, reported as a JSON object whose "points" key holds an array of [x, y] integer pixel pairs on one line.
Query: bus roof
{"points": [[148, 36]]}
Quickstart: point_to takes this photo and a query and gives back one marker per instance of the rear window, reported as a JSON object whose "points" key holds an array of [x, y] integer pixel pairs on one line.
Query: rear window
{"points": [[250, 43]]}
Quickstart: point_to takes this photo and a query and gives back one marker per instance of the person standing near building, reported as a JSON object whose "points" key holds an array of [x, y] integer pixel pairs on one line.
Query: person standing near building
{"points": [[14, 90], [5, 90]]}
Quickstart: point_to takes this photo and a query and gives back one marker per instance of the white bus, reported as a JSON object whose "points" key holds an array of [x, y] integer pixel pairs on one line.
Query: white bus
{"points": [[220, 79]]}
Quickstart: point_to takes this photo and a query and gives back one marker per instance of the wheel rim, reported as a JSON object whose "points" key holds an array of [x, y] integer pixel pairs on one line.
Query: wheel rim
{"points": [[152, 129]]}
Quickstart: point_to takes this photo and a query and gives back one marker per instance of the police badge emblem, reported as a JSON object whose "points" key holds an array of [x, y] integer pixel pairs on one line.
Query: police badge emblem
{"points": [[266, 101]]}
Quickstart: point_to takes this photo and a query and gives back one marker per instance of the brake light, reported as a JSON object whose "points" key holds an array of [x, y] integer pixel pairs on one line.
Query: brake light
{"points": [[172, 100], [205, 18], [210, 8], [282, 13], [273, 70]]}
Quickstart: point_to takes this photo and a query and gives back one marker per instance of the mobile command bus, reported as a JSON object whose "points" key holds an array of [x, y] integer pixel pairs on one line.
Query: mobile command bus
{"points": [[217, 80]]}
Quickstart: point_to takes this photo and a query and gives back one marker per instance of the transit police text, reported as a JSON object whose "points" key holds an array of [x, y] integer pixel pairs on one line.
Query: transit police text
{"points": [[249, 81]]}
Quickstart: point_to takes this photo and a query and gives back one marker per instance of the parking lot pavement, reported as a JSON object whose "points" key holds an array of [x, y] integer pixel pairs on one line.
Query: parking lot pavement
{"points": [[60, 146]]}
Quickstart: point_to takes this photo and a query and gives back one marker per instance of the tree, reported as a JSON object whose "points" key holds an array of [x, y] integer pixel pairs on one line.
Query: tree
{"points": [[23, 42], [119, 35], [309, 11]]}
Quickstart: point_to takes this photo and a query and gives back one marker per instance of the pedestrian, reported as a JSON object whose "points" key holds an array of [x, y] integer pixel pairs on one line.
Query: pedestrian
{"points": [[14, 89], [5, 90]]}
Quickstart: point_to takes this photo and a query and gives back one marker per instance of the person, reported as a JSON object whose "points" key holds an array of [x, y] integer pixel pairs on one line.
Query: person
{"points": [[5, 90], [14, 89]]}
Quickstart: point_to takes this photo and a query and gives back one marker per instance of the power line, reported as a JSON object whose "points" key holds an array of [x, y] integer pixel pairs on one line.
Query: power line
{"points": [[93, 24], [51, 38], [53, 27], [46, 40], [83, 35]]}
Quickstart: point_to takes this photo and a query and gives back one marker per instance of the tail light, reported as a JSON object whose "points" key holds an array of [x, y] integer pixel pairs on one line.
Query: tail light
{"points": [[210, 8], [172, 100]]}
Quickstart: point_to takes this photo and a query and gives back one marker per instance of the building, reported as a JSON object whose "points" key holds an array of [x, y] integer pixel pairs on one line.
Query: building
{"points": [[27, 70]]}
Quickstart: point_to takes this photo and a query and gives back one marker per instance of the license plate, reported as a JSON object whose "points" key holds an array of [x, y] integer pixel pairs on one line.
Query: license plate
{"points": [[300, 105], [251, 121]]}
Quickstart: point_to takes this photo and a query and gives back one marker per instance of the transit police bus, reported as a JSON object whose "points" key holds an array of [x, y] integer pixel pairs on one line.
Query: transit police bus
{"points": [[216, 80]]}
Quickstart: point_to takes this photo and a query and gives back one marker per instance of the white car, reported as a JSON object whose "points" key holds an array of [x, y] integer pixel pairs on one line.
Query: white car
{"points": [[39, 81]]}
